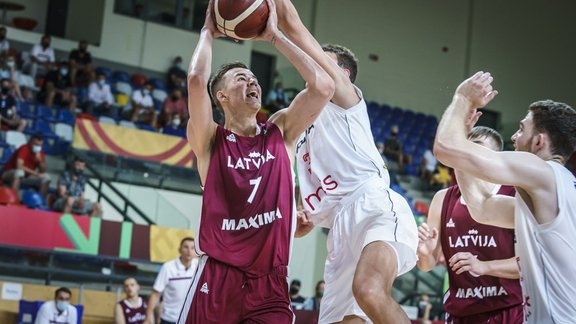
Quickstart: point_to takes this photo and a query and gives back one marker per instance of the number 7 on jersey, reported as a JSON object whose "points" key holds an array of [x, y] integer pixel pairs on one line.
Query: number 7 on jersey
{"points": [[256, 184]]}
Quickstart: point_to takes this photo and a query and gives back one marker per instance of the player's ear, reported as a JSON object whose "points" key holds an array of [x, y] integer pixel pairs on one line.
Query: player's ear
{"points": [[221, 96], [540, 141]]}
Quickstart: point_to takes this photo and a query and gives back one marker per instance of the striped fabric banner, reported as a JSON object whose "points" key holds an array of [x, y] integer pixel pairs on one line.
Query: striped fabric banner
{"points": [[132, 143]]}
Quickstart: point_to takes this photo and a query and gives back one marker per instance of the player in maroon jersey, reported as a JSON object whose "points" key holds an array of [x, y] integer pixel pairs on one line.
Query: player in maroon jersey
{"points": [[132, 309], [248, 214], [482, 267]]}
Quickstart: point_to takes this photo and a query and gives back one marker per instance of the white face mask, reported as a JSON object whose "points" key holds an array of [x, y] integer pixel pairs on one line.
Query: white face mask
{"points": [[10, 64], [36, 148], [62, 305], [176, 122]]}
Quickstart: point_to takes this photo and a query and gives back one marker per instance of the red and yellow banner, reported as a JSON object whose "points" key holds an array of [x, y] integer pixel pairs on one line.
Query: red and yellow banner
{"points": [[20, 226], [132, 143]]}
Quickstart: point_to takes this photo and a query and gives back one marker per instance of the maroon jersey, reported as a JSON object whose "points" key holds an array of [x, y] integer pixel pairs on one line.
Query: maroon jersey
{"points": [[248, 201], [469, 293], [133, 315]]}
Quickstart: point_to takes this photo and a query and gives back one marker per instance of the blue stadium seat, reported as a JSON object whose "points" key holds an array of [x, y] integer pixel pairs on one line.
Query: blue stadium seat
{"points": [[6, 154], [105, 71], [158, 83], [121, 76], [43, 127], [33, 199], [147, 128], [45, 113], [82, 94], [25, 110], [174, 131], [65, 116]]}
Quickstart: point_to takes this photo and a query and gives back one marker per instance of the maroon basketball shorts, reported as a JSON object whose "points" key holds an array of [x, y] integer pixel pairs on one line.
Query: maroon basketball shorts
{"points": [[510, 315], [224, 294]]}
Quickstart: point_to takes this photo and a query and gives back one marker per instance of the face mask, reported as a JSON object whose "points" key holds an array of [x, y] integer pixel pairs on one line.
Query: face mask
{"points": [[5, 90], [62, 305], [101, 82], [36, 149], [78, 172], [64, 71], [146, 92], [321, 293], [10, 64], [294, 290], [422, 304], [176, 122], [178, 65]]}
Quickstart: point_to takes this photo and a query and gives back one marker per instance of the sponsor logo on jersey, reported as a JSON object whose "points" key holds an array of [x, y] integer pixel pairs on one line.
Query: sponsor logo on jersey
{"points": [[204, 288], [481, 292], [230, 224], [254, 161], [137, 318], [450, 223], [231, 138], [315, 197], [303, 139]]}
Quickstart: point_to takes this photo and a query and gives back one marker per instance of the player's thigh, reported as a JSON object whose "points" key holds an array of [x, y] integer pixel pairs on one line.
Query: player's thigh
{"points": [[351, 319], [377, 266]]}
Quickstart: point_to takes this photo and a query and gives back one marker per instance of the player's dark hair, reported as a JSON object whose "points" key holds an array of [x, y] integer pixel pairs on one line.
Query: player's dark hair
{"points": [[215, 83], [186, 239], [62, 289], [558, 120], [483, 131], [346, 59]]}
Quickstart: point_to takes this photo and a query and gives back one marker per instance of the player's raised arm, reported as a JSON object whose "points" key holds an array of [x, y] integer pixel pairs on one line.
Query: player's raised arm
{"points": [[290, 23], [308, 104], [201, 126], [520, 169]]}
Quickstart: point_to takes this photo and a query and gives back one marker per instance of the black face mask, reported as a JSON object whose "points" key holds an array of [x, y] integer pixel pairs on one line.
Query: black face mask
{"points": [[5, 90], [294, 290], [78, 172]]}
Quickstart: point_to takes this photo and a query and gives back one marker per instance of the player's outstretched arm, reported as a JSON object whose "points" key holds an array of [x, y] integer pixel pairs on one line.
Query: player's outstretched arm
{"points": [[429, 233], [520, 169], [308, 104], [290, 23], [201, 126], [466, 261]]}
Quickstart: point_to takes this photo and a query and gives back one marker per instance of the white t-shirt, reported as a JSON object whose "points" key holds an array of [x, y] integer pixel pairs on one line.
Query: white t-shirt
{"points": [[173, 281], [430, 160], [4, 45], [99, 94], [48, 314], [335, 156], [43, 55], [547, 255]]}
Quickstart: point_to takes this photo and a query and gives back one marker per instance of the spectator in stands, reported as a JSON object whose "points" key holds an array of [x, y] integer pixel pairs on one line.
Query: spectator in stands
{"points": [[393, 149], [8, 71], [428, 165], [424, 307], [176, 78], [80, 64], [313, 303], [42, 56], [9, 119], [276, 98], [57, 88], [172, 283], [58, 310], [100, 99], [4, 43], [70, 192], [132, 309], [174, 110], [296, 300], [28, 166], [142, 106]]}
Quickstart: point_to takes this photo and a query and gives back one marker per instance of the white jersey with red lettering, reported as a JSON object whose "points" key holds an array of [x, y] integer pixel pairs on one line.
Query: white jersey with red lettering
{"points": [[335, 156]]}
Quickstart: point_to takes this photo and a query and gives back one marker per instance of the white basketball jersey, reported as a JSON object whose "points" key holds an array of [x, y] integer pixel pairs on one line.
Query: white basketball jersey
{"points": [[547, 256], [336, 156]]}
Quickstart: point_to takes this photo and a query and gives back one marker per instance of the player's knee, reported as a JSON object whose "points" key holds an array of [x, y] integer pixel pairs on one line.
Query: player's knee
{"points": [[367, 292]]}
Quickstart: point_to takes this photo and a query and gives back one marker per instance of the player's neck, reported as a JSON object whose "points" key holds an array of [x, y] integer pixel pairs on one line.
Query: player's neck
{"points": [[133, 301], [243, 126]]}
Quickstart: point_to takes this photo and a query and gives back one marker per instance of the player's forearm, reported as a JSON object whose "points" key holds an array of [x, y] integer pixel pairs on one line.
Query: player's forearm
{"points": [[201, 62], [506, 268], [451, 132], [316, 78], [426, 262], [152, 302]]}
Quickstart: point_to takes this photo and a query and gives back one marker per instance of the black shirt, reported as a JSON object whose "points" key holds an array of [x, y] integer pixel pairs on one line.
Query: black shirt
{"points": [[179, 73], [7, 103], [81, 57], [60, 82]]}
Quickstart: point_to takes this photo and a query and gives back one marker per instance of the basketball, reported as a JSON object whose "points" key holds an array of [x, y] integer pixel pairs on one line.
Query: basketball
{"points": [[241, 19]]}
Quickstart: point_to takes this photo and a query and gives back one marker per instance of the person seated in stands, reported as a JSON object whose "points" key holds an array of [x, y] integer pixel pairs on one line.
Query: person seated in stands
{"points": [[70, 192], [58, 310], [8, 71], [100, 99], [393, 149], [57, 88], [313, 303], [296, 300], [428, 166], [276, 98], [28, 166], [132, 309], [81, 64], [174, 110], [142, 106], [42, 56], [9, 119], [176, 78], [4, 43]]}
